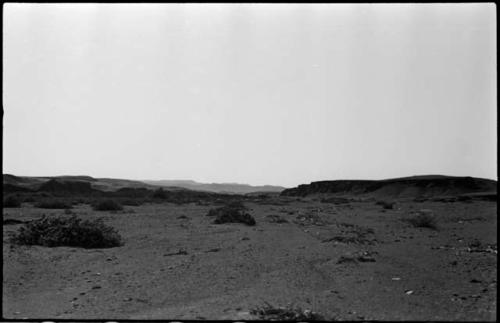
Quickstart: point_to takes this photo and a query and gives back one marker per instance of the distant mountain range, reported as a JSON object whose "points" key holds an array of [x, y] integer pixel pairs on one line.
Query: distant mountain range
{"points": [[21, 183], [228, 188], [407, 187]]}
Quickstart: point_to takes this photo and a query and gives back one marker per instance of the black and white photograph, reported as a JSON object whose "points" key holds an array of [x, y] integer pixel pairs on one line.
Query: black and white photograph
{"points": [[249, 162]]}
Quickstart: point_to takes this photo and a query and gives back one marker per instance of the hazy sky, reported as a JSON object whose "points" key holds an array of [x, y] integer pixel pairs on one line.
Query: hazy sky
{"points": [[251, 93]]}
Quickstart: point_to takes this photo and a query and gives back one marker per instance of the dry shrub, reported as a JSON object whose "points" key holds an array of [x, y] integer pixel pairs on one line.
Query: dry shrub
{"points": [[68, 231], [107, 205], [234, 212], [269, 312]]}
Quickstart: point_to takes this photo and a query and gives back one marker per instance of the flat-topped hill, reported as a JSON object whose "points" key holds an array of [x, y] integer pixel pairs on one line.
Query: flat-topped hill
{"points": [[407, 187]]}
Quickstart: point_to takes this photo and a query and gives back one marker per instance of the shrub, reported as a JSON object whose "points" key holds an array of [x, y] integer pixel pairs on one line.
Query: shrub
{"points": [[235, 206], [107, 205], [423, 220], [11, 201], [271, 313], [232, 213], [53, 204], [386, 205], [235, 217], [69, 231]]}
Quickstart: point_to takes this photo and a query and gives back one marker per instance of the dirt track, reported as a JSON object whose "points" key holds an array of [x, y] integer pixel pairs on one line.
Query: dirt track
{"points": [[174, 268]]}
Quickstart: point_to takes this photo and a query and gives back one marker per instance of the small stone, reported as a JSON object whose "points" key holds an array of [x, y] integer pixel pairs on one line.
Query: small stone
{"points": [[96, 287]]}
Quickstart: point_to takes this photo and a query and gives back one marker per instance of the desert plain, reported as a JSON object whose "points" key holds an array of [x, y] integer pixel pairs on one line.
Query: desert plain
{"points": [[343, 255]]}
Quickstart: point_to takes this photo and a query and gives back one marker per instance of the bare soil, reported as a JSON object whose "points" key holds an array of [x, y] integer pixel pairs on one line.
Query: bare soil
{"points": [[351, 261]]}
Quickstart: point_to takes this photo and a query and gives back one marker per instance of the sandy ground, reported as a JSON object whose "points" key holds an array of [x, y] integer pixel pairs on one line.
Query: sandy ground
{"points": [[228, 269]]}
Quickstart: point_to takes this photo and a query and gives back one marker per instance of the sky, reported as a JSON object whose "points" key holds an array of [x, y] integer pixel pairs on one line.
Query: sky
{"points": [[280, 94]]}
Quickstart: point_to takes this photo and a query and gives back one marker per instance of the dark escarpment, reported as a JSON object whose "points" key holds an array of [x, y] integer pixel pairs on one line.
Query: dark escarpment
{"points": [[409, 187]]}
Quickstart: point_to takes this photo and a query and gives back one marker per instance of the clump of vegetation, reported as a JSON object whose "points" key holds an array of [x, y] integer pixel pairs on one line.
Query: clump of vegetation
{"points": [[69, 231], [53, 204], [272, 313], [423, 220], [107, 205], [386, 205], [11, 201], [234, 212], [233, 206]]}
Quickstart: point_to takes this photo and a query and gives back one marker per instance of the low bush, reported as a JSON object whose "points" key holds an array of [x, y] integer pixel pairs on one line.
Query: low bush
{"points": [[232, 213], [423, 220], [11, 201], [271, 313], [107, 205], [68, 231], [53, 204]]}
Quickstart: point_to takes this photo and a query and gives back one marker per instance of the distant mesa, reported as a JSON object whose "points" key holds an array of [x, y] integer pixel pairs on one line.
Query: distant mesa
{"points": [[406, 187]]}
